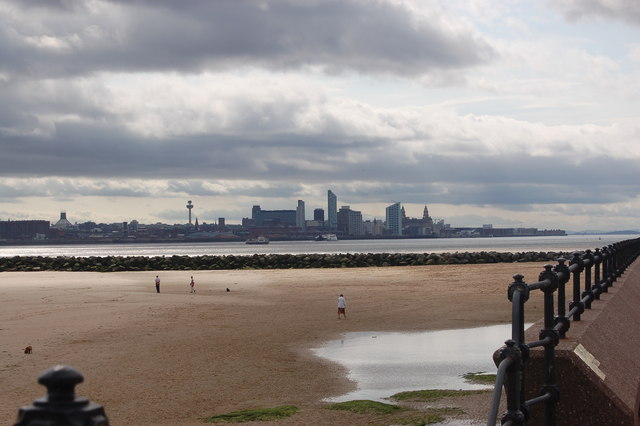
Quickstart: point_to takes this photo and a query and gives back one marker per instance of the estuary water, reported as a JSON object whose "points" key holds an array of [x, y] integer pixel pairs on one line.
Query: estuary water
{"points": [[432, 245]]}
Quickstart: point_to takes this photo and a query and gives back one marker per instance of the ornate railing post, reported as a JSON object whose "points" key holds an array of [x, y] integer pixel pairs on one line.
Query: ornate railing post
{"points": [[596, 274], [61, 406], [577, 302], [549, 332], [587, 260], [563, 273], [606, 257]]}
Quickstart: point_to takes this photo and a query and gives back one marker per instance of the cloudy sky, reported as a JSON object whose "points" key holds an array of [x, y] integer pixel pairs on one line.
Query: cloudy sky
{"points": [[510, 112]]}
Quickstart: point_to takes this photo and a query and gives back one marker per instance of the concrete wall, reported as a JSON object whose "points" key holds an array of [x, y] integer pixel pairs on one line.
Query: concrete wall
{"points": [[598, 364]]}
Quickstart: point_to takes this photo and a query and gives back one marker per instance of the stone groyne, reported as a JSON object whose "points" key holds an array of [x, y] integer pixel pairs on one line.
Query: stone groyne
{"points": [[266, 261]]}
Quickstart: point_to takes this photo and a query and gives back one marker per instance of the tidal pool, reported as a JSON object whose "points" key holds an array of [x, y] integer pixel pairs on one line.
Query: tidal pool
{"points": [[385, 363]]}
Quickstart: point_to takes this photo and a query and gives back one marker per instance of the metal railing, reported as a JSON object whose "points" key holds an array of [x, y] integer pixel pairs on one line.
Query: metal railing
{"points": [[591, 273]]}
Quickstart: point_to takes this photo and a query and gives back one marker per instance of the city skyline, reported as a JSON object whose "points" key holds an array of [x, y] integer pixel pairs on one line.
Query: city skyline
{"points": [[513, 113]]}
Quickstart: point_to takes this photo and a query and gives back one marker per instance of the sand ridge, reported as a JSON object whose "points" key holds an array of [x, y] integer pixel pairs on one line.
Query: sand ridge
{"points": [[175, 357]]}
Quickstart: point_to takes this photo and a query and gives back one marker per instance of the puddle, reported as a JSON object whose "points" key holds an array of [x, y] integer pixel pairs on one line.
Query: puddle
{"points": [[383, 364]]}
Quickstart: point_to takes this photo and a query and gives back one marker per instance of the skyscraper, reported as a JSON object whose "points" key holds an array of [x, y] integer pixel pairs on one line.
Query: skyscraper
{"points": [[332, 210], [301, 221], [394, 219]]}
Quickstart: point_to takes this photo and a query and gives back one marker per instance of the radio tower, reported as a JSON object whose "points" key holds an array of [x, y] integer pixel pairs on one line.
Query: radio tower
{"points": [[189, 206]]}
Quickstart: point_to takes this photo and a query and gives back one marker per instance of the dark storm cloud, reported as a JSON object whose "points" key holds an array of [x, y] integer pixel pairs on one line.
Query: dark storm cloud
{"points": [[366, 36], [623, 10], [194, 165]]}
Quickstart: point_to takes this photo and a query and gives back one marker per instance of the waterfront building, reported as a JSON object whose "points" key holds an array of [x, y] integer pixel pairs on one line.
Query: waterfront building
{"points": [[332, 210], [350, 221], [63, 223], [24, 229], [318, 215], [272, 217], [300, 216], [394, 219]]}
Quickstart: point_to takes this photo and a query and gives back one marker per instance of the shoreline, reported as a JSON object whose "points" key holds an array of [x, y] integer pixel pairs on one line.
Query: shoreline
{"points": [[178, 357]]}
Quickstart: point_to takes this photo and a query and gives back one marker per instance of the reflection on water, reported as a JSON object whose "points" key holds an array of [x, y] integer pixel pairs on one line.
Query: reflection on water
{"points": [[386, 363]]}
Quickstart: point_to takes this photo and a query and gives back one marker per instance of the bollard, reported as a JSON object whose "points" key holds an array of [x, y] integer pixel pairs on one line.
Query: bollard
{"points": [[61, 406]]}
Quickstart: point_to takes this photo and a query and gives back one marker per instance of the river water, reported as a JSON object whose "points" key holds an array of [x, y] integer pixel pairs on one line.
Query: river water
{"points": [[434, 245]]}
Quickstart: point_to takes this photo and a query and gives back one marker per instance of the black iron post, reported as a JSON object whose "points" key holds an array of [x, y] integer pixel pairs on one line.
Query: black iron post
{"points": [[597, 287], [616, 271], [549, 348], [587, 260], [563, 274], [518, 294], [606, 257], [576, 303], [61, 406]]}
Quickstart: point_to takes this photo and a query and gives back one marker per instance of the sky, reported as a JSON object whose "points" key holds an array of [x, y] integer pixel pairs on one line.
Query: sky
{"points": [[505, 112]]}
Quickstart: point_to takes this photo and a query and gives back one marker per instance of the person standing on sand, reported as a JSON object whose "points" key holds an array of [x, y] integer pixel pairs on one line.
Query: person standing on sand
{"points": [[157, 284], [192, 284], [342, 307]]}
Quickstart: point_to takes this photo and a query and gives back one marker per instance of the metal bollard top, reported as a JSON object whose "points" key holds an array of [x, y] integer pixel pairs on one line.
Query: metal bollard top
{"points": [[61, 406]]}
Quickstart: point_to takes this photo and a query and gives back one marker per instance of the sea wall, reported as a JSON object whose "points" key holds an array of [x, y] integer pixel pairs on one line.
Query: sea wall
{"points": [[597, 365], [265, 261]]}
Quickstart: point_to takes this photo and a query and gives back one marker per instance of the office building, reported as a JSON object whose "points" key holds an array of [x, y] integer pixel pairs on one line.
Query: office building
{"points": [[301, 221], [394, 219], [350, 221], [272, 217], [332, 210], [318, 215]]}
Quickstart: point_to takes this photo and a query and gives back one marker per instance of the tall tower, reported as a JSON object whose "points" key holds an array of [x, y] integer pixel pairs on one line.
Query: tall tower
{"points": [[332, 210], [301, 221], [394, 219], [189, 206]]}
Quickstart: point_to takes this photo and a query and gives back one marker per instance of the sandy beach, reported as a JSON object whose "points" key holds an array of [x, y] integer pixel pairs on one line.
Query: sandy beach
{"points": [[176, 357]]}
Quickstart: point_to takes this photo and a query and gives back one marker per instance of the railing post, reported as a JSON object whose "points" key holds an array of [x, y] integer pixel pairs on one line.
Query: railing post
{"points": [[518, 294], [576, 260], [606, 258], [617, 271], [61, 406], [587, 261], [549, 349], [563, 274], [596, 274]]}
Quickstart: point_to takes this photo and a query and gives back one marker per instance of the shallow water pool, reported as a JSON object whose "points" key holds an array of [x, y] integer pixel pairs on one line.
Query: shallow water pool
{"points": [[383, 364]]}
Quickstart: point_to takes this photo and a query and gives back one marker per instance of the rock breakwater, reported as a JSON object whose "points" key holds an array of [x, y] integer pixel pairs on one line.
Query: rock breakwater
{"points": [[266, 261]]}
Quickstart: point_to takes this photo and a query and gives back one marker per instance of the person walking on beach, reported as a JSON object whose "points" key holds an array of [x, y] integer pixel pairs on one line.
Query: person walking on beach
{"points": [[157, 284], [342, 307], [192, 284]]}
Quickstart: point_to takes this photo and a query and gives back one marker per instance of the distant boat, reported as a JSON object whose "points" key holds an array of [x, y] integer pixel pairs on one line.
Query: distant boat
{"points": [[327, 237], [258, 240]]}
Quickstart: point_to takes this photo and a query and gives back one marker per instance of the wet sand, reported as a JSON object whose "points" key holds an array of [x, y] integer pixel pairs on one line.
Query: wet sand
{"points": [[175, 357]]}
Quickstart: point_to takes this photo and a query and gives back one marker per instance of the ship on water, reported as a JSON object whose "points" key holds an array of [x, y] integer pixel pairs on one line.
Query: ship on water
{"points": [[258, 240], [327, 237]]}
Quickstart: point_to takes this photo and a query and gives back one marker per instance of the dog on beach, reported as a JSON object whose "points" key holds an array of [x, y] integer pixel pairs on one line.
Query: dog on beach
{"points": [[28, 349]]}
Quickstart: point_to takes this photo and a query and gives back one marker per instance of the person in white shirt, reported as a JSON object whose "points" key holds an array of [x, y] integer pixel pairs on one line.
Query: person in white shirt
{"points": [[342, 306]]}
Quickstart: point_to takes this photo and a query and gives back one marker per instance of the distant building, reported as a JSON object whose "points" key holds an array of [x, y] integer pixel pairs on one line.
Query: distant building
{"points": [[350, 221], [63, 223], [273, 217], [301, 221], [24, 229], [318, 215], [417, 226], [394, 219], [332, 210]]}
